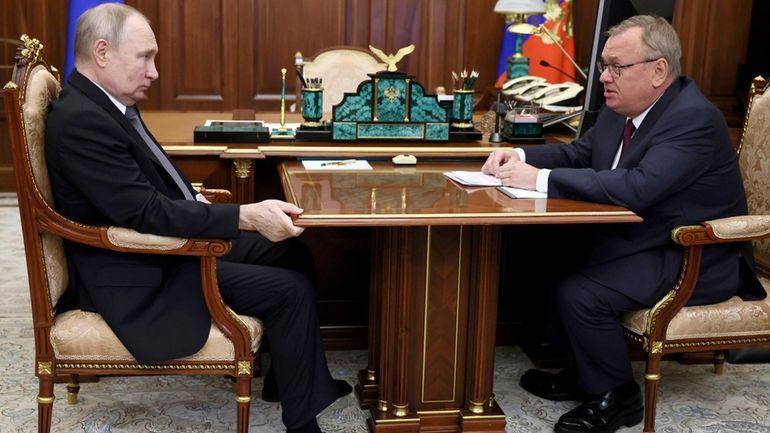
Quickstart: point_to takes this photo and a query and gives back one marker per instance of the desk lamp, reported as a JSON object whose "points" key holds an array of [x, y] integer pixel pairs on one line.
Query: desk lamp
{"points": [[516, 11], [529, 29]]}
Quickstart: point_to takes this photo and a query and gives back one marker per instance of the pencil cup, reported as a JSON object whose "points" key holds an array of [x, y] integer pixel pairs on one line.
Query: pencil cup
{"points": [[312, 106], [462, 109]]}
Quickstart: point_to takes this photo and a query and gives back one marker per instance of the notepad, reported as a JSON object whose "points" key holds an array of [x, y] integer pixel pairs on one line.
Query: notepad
{"points": [[477, 178], [521, 193], [473, 178]]}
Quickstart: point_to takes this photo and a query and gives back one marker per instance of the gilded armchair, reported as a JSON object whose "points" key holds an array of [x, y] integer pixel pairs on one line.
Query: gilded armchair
{"points": [[76, 342]]}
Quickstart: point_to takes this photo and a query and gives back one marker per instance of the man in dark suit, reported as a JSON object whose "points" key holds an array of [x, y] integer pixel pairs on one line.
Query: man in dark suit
{"points": [[106, 169], [661, 149]]}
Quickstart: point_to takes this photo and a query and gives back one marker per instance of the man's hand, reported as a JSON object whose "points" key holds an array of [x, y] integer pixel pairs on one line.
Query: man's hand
{"points": [[497, 160], [518, 175], [273, 219]]}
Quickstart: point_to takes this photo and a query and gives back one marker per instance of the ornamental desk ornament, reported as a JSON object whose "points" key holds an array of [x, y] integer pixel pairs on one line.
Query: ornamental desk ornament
{"points": [[392, 106]]}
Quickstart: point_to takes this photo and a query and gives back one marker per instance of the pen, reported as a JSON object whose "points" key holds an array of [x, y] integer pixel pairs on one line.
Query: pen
{"points": [[343, 162]]}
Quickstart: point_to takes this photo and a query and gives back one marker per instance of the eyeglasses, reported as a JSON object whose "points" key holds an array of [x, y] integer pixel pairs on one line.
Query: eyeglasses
{"points": [[616, 70]]}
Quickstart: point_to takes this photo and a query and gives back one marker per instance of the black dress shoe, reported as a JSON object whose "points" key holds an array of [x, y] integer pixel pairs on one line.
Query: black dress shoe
{"points": [[605, 414], [559, 386]]}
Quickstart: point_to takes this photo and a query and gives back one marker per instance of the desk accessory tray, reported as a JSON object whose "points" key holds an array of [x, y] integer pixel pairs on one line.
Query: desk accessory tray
{"points": [[231, 132]]}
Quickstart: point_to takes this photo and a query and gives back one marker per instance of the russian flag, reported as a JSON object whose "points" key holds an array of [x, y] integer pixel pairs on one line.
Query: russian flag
{"points": [[76, 8], [559, 22]]}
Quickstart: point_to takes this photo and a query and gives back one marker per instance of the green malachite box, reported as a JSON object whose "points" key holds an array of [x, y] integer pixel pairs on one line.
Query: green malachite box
{"points": [[390, 106]]}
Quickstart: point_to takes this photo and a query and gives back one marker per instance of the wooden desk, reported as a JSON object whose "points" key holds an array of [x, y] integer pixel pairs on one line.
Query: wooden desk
{"points": [[342, 253], [434, 280], [232, 165]]}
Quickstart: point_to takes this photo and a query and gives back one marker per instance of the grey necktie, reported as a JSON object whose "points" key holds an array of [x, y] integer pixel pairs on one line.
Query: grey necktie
{"points": [[133, 117]]}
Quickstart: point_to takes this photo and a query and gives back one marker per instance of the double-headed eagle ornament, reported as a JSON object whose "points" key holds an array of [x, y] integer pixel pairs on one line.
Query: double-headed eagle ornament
{"points": [[392, 59]]}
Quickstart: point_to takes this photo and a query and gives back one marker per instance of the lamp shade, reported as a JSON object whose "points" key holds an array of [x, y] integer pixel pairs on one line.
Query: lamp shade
{"points": [[520, 7]]}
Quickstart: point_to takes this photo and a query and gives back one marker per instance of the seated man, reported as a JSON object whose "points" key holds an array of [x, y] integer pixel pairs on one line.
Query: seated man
{"points": [[661, 149], [106, 169]]}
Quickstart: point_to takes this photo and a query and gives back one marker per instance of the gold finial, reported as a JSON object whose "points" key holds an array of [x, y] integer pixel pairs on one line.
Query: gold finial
{"points": [[392, 59], [32, 48], [10, 85]]}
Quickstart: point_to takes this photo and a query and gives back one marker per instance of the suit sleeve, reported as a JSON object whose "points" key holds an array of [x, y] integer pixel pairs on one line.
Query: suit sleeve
{"points": [[101, 160], [677, 154]]}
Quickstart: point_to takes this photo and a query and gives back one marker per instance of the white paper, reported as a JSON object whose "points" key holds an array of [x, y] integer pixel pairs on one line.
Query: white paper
{"points": [[336, 164], [473, 178], [521, 193]]}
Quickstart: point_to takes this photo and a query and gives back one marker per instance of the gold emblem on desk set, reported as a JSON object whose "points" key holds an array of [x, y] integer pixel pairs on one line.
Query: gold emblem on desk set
{"points": [[392, 59]]}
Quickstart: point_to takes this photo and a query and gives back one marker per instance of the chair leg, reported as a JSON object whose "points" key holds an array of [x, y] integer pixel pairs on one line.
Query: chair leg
{"points": [[651, 381], [243, 401], [719, 362], [45, 399], [72, 389]]}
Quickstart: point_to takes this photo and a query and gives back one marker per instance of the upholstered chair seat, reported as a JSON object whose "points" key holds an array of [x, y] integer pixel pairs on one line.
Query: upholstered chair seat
{"points": [[731, 318], [84, 336]]}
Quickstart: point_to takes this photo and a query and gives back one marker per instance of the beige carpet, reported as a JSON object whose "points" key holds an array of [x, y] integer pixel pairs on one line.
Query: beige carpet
{"points": [[692, 398]]}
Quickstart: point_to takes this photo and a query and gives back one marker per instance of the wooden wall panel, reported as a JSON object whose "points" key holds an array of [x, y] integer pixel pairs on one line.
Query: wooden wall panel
{"points": [[715, 36], [226, 54], [197, 59], [40, 19], [280, 31]]}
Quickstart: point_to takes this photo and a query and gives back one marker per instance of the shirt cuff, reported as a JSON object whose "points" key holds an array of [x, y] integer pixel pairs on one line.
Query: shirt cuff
{"points": [[522, 156], [541, 184]]}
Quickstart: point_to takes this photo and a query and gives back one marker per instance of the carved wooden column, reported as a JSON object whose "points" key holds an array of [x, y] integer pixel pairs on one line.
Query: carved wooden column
{"points": [[482, 412], [243, 180]]}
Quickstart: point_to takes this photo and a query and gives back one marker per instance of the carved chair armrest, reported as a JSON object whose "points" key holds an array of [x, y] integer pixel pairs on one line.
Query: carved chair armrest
{"points": [[731, 229], [128, 240], [216, 195], [693, 238]]}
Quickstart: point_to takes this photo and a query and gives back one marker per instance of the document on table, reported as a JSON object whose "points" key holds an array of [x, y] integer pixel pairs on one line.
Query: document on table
{"points": [[521, 193], [473, 178], [336, 164], [477, 178]]}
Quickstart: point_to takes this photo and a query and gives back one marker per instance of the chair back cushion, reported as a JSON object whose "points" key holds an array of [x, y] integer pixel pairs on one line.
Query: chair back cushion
{"points": [[342, 70], [41, 88], [754, 157]]}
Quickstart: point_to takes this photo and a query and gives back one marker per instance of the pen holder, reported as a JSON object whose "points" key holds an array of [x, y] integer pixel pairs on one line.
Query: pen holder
{"points": [[462, 109], [312, 106]]}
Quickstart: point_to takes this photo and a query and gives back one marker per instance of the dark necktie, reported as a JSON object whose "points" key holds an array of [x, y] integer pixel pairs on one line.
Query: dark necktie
{"points": [[133, 117], [628, 132]]}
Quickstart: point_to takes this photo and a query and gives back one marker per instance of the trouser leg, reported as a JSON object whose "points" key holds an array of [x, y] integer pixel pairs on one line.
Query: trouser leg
{"points": [[592, 319], [284, 300]]}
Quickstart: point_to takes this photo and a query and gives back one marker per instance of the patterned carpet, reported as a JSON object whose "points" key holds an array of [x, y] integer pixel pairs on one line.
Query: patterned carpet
{"points": [[693, 399]]}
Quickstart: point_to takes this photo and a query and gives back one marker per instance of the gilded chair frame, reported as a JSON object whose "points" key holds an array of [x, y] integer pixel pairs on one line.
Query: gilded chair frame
{"points": [[651, 330], [40, 220]]}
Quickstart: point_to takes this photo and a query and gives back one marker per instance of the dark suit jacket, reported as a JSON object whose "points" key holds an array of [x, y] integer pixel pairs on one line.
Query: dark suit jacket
{"points": [[102, 173], [681, 168]]}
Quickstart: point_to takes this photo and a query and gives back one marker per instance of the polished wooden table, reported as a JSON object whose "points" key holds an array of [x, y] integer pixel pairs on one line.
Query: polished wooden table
{"points": [[232, 165], [434, 279]]}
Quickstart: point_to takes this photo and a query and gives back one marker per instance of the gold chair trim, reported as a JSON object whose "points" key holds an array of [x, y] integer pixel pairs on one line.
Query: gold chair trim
{"points": [[146, 366]]}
